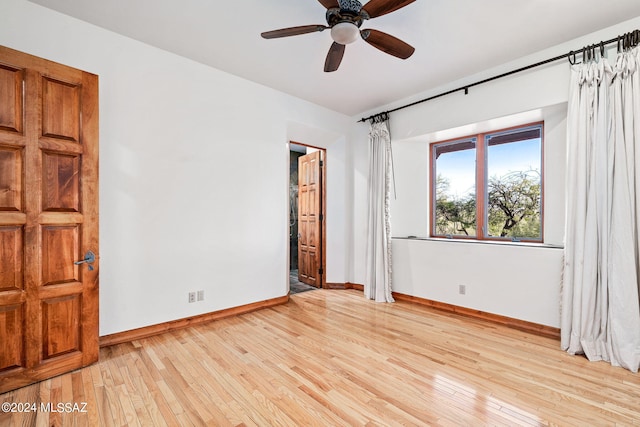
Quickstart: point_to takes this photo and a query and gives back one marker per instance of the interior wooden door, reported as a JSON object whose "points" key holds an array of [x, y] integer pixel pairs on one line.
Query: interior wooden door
{"points": [[48, 219], [310, 218]]}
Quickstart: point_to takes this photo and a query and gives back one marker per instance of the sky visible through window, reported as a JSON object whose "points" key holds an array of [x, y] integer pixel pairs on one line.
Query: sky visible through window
{"points": [[458, 167]]}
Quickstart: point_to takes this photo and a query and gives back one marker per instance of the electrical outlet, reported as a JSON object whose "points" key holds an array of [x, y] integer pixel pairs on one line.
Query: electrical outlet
{"points": [[192, 297], [200, 295], [462, 289]]}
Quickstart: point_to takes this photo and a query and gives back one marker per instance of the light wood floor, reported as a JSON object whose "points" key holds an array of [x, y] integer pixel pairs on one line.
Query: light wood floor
{"points": [[330, 357]]}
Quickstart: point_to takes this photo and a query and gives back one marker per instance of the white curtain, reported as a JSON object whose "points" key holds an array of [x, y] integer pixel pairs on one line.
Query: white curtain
{"points": [[378, 274], [600, 289]]}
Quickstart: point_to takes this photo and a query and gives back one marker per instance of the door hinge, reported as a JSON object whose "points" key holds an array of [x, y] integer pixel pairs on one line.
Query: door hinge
{"points": [[321, 163], [321, 217], [320, 271]]}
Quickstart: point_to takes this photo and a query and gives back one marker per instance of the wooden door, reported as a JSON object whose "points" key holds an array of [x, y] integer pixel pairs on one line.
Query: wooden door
{"points": [[48, 219], [310, 218]]}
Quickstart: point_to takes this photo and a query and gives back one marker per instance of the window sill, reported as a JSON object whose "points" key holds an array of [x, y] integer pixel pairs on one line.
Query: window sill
{"points": [[481, 242]]}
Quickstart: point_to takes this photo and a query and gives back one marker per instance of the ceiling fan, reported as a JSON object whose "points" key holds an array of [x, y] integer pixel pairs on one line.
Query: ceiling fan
{"points": [[344, 18]]}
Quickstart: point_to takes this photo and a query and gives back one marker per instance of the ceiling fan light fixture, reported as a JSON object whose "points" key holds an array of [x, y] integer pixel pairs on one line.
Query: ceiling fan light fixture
{"points": [[344, 19], [345, 33]]}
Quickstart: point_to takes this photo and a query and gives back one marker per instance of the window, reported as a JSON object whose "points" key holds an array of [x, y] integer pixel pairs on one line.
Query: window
{"points": [[488, 186]]}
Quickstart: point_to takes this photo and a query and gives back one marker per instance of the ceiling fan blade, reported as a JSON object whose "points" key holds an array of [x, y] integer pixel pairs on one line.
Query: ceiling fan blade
{"points": [[334, 57], [375, 8], [387, 43], [329, 3], [293, 31]]}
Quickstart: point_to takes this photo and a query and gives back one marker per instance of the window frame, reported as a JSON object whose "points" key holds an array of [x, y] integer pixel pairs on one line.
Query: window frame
{"points": [[481, 186]]}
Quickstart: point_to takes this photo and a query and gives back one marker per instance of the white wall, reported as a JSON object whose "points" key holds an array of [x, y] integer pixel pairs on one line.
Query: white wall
{"points": [[518, 281], [193, 173]]}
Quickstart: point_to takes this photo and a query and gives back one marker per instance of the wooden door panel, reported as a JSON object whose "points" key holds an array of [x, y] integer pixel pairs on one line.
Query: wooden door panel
{"points": [[11, 93], [11, 337], [303, 259], [10, 178], [313, 172], [312, 218], [48, 219], [61, 326], [60, 249], [60, 109], [11, 259], [303, 264], [60, 184]]}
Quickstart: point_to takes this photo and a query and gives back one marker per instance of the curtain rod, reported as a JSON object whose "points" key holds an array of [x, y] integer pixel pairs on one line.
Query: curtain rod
{"points": [[633, 38]]}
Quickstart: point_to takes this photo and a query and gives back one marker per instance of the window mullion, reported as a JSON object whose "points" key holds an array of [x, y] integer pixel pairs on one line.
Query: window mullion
{"points": [[481, 187]]}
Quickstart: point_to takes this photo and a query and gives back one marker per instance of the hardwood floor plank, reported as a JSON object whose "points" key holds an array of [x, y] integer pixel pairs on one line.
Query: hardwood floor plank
{"points": [[111, 403], [157, 406], [176, 382], [101, 410], [92, 414], [331, 357], [44, 393], [130, 414], [55, 418], [170, 398]]}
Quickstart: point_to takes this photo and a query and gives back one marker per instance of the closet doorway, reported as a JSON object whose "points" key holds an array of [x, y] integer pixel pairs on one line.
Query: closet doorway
{"points": [[307, 231]]}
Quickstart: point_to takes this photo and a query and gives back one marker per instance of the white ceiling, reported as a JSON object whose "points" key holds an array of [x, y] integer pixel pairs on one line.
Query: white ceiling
{"points": [[453, 39]]}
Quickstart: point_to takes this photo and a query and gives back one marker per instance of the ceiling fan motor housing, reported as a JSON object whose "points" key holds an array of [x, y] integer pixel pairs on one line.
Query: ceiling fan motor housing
{"points": [[336, 16], [350, 5]]}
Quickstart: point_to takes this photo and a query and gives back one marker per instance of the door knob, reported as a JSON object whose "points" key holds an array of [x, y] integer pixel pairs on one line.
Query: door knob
{"points": [[89, 258]]}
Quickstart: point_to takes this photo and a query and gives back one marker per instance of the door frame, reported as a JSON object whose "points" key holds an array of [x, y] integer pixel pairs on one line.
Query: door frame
{"points": [[323, 225]]}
